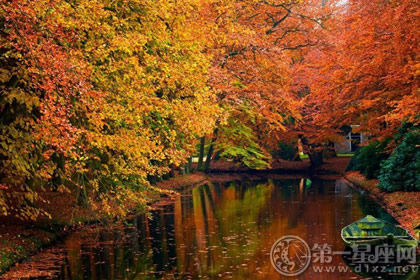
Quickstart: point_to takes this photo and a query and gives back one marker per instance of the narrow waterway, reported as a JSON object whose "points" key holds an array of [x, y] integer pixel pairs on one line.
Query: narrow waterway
{"points": [[221, 230]]}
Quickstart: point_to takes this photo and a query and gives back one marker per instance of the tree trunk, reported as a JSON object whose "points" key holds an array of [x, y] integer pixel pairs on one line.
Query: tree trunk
{"points": [[201, 155], [210, 151], [316, 158], [172, 171], [217, 155], [189, 165]]}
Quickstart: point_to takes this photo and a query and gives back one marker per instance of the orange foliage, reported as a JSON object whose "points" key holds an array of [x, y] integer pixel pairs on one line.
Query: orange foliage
{"points": [[364, 71], [253, 43]]}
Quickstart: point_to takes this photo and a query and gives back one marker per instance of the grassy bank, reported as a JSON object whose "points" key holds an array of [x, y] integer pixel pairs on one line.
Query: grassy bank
{"points": [[403, 206]]}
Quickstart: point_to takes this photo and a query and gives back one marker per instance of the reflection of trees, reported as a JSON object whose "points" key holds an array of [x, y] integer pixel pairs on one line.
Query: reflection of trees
{"points": [[118, 253], [370, 207], [220, 217], [218, 228]]}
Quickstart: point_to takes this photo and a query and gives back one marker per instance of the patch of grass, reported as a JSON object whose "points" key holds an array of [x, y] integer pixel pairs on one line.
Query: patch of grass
{"points": [[10, 255], [16, 247], [345, 155], [305, 156]]}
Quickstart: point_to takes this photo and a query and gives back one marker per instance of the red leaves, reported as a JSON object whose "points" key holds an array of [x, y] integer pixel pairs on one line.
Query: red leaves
{"points": [[252, 64], [364, 71], [51, 69]]}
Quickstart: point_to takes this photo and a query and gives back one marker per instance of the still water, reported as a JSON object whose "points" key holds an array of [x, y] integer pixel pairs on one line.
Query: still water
{"points": [[221, 230]]}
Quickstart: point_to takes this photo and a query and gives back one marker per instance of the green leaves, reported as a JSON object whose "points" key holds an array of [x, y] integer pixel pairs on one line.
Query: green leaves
{"points": [[367, 159], [400, 172], [237, 141]]}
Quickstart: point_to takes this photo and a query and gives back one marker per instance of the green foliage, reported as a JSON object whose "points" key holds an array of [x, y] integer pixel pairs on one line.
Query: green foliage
{"points": [[401, 171], [345, 155], [367, 159], [237, 141], [285, 151]]}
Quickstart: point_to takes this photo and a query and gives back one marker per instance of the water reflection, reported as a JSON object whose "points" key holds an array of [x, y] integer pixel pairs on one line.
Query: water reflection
{"points": [[216, 231]]}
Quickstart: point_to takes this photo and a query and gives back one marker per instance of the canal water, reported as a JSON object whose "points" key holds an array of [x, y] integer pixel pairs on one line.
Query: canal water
{"points": [[221, 230]]}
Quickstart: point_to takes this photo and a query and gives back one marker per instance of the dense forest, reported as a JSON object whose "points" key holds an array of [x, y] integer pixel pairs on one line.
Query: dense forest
{"points": [[102, 98]]}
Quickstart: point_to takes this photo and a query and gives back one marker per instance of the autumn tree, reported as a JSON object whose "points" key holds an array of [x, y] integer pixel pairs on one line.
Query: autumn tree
{"points": [[364, 71], [97, 97], [253, 45], [42, 89]]}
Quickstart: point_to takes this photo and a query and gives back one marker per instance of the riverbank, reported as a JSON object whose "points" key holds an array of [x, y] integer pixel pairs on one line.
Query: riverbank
{"points": [[331, 166], [242, 214], [403, 206], [20, 239], [279, 165]]}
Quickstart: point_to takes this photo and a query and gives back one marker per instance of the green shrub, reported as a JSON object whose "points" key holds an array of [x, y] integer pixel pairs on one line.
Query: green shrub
{"points": [[353, 164], [401, 171], [367, 159], [285, 151]]}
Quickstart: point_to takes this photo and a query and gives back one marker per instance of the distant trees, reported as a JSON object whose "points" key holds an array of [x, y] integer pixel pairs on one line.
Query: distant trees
{"points": [[254, 43], [364, 70]]}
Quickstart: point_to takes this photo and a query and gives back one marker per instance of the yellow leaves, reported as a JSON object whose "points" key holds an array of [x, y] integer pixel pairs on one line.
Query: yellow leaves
{"points": [[114, 91], [5, 75], [23, 97], [63, 189], [31, 196]]}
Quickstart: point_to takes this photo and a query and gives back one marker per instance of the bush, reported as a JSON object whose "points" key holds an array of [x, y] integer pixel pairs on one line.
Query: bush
{"points": [[368, 159], [401, 171], [285, 151]]}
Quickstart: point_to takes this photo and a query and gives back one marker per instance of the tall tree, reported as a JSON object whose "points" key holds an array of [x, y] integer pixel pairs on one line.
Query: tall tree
{"points": [[98, 96], [364, 72], [253, 46]]}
